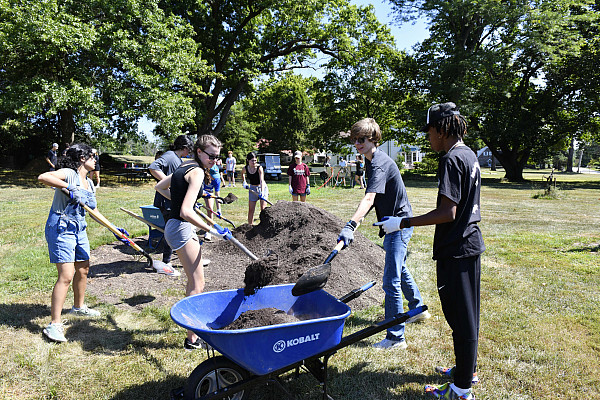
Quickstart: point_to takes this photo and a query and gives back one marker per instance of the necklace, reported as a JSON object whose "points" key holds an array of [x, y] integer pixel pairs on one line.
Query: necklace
{"points": [[457, 144]]}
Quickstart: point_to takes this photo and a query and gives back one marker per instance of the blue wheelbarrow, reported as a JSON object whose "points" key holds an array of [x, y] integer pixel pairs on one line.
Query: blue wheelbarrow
{"points": [[256, 356]]}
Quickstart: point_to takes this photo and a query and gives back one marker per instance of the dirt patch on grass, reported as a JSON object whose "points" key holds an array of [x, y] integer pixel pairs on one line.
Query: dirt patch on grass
{"points": [[300, 235]]}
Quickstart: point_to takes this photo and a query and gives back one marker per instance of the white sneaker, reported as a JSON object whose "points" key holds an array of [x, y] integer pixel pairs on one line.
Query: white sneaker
{"points": [[55, 332], [205, 262], [419, 317], [387, 344], [84, 311]]}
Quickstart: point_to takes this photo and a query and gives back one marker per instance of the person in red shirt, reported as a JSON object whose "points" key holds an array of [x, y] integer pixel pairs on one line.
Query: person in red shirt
{"points": [[298, 174]]}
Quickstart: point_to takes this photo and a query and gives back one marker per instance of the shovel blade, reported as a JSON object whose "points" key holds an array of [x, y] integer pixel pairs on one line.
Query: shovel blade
{"points": [[313, 279]]}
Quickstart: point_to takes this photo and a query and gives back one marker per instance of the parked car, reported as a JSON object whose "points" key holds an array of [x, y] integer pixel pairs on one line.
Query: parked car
{"points": [[271, 164]]}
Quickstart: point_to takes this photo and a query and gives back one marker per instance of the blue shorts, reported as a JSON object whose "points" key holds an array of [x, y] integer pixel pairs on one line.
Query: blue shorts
{"points": [[215, 184], [67, 239]]}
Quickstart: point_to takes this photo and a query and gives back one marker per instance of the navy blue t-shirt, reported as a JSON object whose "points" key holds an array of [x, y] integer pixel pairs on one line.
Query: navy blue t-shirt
{"points": [[167, 163], [384, 179], [459, 180]]}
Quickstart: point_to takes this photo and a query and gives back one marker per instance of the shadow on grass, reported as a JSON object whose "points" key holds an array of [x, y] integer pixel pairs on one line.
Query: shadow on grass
{"points": [[591, 248], [19, 315], [154, 390], [28, 179]]}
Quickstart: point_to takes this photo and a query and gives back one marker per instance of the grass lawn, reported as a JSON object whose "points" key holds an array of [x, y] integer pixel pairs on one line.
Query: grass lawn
{"points": [[540, 320]]}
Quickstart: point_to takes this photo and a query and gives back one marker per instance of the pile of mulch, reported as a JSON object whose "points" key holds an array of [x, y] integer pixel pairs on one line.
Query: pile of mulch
{"points": [[262, 317], [299, 236]]}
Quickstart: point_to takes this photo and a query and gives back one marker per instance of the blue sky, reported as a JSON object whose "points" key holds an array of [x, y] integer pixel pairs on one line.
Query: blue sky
{"points": [[406, 36]]}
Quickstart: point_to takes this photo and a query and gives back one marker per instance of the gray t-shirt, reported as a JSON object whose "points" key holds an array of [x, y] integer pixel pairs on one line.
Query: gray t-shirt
{"points": [[384, 179], [167, 163], [61, 201]]}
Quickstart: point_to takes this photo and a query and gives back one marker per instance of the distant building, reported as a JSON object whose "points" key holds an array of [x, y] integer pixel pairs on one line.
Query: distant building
{"points": [[484, 156], [411, 154]]}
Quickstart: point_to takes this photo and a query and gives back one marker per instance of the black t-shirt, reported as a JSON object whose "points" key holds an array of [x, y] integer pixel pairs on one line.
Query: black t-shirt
{"points": [[53, 158], [384, 179], [459, 180], [179, 188]]}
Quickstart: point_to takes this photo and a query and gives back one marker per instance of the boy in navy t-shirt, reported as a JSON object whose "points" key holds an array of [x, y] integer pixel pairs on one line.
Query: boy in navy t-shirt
{"points": [[457, 244]]}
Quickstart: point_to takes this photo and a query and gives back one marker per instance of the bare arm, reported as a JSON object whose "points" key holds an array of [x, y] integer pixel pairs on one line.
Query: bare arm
{"points": [[445, 212], [194, 179], [364, 207], [164, 185], [157, 173], [54, 179]]}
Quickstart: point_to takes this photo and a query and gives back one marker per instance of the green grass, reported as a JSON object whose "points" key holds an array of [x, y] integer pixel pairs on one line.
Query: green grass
{"points": [[540, 323]]}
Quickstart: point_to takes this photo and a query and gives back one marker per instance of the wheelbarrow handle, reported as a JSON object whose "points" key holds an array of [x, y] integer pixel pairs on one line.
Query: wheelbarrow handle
{"points": [[150, 224]]}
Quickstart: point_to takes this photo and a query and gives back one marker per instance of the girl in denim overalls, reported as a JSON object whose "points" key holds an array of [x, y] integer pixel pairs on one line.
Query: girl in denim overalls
{"points": [[66, 234]]}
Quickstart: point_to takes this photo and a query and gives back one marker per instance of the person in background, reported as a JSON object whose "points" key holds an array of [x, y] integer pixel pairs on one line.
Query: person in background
{"points": [[165, 165], [298, 177], [457, 245], [230, 163], [64, 152], [66, 234], [343, 171], [183, 188], [52, 157], [257, 187], [386, 193], [360, 168], [96, 172], [214, 185]]}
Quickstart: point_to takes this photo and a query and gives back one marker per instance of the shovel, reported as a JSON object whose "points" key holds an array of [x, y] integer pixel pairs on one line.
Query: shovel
{"points": [[159, 266], [219, 216], [150, 224], [230, 198], [316, 277], [260, 196], [229, 236]]}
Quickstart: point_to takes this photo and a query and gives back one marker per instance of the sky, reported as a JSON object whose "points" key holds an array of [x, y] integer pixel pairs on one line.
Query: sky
{"points": [[406, 36]]}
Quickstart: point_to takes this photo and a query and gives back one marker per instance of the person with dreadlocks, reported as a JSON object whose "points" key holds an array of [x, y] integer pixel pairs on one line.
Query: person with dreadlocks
{"points": [[457, 245]]}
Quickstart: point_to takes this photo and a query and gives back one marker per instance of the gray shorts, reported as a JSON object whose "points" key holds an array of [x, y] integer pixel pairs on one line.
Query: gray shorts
{"points": [[178, 233]]}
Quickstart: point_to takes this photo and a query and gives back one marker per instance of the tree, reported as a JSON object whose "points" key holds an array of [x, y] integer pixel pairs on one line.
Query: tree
{"points": [[94, 67], [243, 40], [239, 133], [284, 113], [494, 58]]}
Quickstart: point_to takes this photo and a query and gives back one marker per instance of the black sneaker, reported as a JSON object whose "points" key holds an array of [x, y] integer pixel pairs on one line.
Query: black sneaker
{"points": [[198, 344]]}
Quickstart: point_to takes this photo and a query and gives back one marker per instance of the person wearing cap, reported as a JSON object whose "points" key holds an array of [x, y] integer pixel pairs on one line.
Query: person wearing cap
{"points": [[457, 244], [96, 172], [298, 178], [386, 193], [163, 166], [52, 156]]}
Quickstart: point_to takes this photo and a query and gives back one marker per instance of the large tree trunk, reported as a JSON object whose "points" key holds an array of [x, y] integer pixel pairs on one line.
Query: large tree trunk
{"points": [[513, 162], [66, 125]]}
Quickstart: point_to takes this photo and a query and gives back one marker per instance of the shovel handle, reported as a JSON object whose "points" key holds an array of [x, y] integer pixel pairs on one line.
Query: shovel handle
{"points": [[101, 219], [260, 196]]}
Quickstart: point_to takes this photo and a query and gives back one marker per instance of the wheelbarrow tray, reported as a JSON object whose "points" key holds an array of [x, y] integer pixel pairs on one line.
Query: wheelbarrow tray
{"points": [[264, 349]]}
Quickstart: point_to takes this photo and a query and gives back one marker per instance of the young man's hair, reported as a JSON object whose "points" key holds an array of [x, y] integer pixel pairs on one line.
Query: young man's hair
{"points": [[454, 125], [366, 128], [182, 142]]}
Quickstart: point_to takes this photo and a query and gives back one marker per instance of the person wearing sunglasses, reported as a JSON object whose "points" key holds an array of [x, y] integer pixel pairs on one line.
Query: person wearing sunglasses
{"points": [[184, 187], [257, 189], [385, 192]]}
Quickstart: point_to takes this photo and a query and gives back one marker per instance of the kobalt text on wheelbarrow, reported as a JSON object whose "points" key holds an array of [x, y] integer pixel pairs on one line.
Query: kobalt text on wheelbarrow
{"points": [[255, 356]]}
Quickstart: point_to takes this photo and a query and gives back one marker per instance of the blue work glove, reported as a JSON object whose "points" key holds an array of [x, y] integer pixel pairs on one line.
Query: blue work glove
{"points": [[219, 231], [124, 232], [91, 202], [74, 195], [308, 188], [206, 195], [392, 224], [291, 190], [245, 185], [219, 214], [347, 234]]}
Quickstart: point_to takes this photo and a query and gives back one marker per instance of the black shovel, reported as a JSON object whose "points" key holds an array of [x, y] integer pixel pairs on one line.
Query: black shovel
{"points": [[316, 277]]}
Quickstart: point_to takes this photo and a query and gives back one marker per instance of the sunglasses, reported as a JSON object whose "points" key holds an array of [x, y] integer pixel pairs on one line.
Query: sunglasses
{"points": [[360, 140], [210, 156]]}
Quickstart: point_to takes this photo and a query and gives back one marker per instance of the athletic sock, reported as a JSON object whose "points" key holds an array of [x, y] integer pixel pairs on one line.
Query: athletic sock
{"points": [[458, 390]]}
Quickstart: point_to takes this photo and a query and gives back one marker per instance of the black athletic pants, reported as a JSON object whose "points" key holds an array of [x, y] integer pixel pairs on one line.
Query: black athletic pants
{"points": [[458, 281]]}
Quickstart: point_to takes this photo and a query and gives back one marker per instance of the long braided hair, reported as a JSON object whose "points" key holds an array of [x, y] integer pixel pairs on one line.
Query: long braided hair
{"points": [[454, 125]]}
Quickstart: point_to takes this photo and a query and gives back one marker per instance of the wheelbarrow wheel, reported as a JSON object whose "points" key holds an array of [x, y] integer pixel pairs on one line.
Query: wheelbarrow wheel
{"points": [[212, 375]]}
